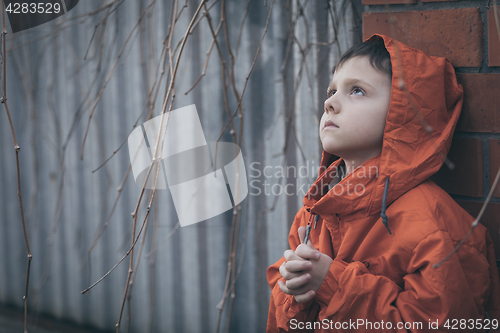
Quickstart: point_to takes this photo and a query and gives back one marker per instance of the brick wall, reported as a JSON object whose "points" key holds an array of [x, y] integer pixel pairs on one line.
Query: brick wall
{"points": [[465, 33]]}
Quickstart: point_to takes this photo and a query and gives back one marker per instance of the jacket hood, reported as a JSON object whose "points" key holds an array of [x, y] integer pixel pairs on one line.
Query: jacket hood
{"points": [[425, 104]]}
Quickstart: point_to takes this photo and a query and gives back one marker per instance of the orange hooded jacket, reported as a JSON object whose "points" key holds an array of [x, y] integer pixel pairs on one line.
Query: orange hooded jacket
{"points": [[382, 272]]}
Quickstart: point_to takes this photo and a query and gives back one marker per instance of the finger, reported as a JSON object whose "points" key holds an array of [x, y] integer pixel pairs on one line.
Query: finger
{"points": [[307, 252], [285, 273], [290, 255], [283, 288], [298, 282], [298, 266], [305, 297], [288, 291], [302, 234]]}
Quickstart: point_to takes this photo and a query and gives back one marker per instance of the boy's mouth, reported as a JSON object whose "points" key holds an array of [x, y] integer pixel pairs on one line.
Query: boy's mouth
{"points": [[330, 124]]}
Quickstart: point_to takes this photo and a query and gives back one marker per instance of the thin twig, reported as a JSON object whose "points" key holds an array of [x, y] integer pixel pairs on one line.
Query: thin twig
{"points": [[166, 238], [17, 149], [476, 221], [157, 151], [231, 272], [148, 102], [60, 26], [249, 73], [119, 262], [223, 71], [110, 74], [152, 267], [245, 14], [209, 52]]}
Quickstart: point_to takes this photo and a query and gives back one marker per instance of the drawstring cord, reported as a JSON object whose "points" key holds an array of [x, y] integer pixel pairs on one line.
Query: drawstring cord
{"points": [[382, 213], [308, 226]]}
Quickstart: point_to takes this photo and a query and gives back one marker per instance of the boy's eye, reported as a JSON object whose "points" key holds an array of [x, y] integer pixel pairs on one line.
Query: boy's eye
{"points": [[357, 91]]}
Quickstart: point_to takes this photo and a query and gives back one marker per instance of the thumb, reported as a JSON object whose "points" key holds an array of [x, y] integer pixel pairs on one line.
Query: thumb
{"points": [[302, 235]]}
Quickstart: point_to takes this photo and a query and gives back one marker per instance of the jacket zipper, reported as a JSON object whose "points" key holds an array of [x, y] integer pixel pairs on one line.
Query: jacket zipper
{"points": [[309, 223]]}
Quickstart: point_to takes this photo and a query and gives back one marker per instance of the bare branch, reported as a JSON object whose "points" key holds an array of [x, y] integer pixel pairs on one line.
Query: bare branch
{"points": [[249, 73], [110, 74], [476, 221], [17, 149]]}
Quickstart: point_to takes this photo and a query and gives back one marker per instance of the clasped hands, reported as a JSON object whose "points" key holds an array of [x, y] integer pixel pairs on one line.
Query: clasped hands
{"points": [[304, 270]]}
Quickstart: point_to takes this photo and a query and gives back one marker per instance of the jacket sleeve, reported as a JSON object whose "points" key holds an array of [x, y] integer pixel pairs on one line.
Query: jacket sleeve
{"points": [[284, 311], [430, 299]]}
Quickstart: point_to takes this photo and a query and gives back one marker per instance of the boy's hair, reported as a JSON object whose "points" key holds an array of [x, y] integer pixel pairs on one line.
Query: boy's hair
{"points": [[375, 50]]}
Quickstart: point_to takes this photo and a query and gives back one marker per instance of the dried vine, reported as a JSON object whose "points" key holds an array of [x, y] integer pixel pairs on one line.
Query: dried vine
{"points": [[17, 149]]}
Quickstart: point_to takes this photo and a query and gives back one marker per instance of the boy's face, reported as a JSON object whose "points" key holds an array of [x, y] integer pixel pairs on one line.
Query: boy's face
{"points": [[358, 97]]}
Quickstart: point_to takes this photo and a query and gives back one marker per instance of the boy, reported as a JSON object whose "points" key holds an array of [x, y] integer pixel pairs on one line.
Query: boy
{"points": [[375, 236]]}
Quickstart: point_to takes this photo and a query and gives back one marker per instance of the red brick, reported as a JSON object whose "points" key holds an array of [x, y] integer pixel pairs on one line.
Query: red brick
{"points": [[467, 176], [494, 164], [389, 2], [456, 34], [493, 40], [489, 220], [481, 108]]}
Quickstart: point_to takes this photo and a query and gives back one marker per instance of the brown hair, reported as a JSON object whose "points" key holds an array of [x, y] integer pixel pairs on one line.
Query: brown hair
{"points": [[375, 50]]}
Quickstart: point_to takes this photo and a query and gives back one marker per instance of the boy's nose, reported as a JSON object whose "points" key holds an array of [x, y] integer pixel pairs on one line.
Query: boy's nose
{"points": [[330, 108]]}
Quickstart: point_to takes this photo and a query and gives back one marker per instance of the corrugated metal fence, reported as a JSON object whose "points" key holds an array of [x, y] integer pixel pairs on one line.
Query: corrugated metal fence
{"points": [[55, 73]]}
